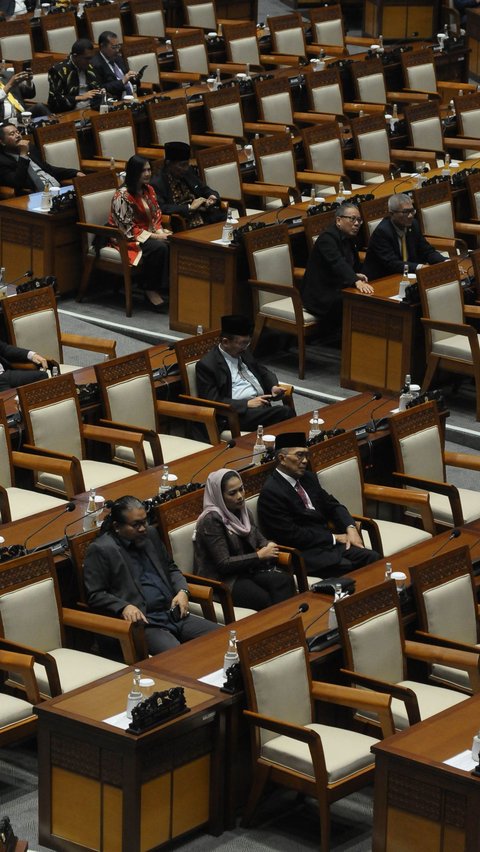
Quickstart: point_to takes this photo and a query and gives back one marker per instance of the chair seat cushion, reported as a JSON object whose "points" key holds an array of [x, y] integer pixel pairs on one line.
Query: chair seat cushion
{"points": [[95, 474], [24, 503], [173, 448], [283, 308], [13, 710], [396, 537], [457, 677], [456, 346], [76, 668], [346, 752], [108, 253], [226, 435], [470, 501], [431, 700]]}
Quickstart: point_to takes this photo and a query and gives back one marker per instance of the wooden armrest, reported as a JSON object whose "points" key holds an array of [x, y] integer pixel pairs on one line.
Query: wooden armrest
{"points": [[413, 155], [195, 413], [203, 595], [92, 344], [465, 460], [279, 59], [105, 625], [433, 639], [287, 729], [220, 591], [357, 107], [321, 177], [22, 664], [452, 327], [40, 657], [271, 189], [198, 140], [395, 690], [419, 500], [103, 230], [148, 435], [360, 165], [115, 437], [68, 468], [461, 142], [464, 660], [180, 76], [348, 696]]}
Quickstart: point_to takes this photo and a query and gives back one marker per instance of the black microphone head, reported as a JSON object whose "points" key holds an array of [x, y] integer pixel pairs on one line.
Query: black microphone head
{"points": [[28, 273], [231, 444], [377, 396], [71, 506], [304, 607], [455, 533], [109, 504]]}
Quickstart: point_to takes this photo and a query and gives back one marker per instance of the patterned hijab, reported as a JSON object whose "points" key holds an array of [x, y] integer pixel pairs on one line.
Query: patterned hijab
{"points": [[213, 502]]}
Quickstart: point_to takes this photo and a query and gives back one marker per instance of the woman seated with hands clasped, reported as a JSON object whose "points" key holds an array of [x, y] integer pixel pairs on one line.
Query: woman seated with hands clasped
{"points": [[230, 548], [136, 213]]}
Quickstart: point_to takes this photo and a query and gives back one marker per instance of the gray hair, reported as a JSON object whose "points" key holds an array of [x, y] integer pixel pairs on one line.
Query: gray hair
{"points": [[344, 206], [395, 202]]}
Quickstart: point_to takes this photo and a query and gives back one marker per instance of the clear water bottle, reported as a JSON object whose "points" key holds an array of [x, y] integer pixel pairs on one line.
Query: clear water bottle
{"points": [[380, 44], [259, 448], [314, 425], [332, 615], [446, 166], [341, 192], [199, 329], [54, 371], [388, 571], [113, 164], [135, 695], [89, 521], [46, 199], [164, 481], [404, 283], [405, 396], [218, 79], [103, 103], [231, 655]]}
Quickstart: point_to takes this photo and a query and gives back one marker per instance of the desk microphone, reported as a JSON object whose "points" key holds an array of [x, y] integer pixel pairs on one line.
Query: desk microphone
{"points": [[242, 458], [27, 274], [70, 506], [372, 425], [228, 446], [336, 431], [454, 534], [314, 639], [304, 607], [76, 521]]}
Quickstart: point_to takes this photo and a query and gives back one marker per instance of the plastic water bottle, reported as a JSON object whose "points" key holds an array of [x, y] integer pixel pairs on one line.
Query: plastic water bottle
{"points": [[89, 521], [332, 615], [404, 283], [135, 694], [54, 371], [46, 199], [113, 164], [231, 655], [104, 103], [259, 448], [341, 190], [446, 166], [199, 329], [388, 571], [314, 426], [405, 396], [164, 482]]}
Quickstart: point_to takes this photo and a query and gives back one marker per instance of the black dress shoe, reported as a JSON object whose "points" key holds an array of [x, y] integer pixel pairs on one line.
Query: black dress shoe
{"points": [[157, 309]]}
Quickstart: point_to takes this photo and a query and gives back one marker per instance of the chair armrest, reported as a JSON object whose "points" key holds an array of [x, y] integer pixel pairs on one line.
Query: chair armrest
{"points": [[465, 460], [394, 689], [320, 177], [371, 526], [445, 488], [103, 230], [148, 435], [203, 595], [274, 190], [195, 413], [453, 328], [267, 127], [278, 726], [419, 500], [68, 468], [93, 344], [279, 59], [180, 76], [40, 657], [105, 625], [220, 591], [198, 140], [118, 436], [461, 142], [292, 559], [222, 409], [150, 153], [22, 664], [407, 97], [413, 155], [464, 660], [369, 166], [380, 703], [433, 639]]}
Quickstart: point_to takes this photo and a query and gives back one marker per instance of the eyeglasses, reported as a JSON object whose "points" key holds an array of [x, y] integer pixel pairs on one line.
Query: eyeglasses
{"points": [[409, 211], [299, 456], [137, 525], [355, 219]]}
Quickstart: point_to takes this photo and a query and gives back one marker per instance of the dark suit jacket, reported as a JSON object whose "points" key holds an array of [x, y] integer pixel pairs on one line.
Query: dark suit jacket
{"points": [[214, 379], [64, 85], [384, 256], [106, 77], [283, 517], [222, 555], [109, 582], [14, 172], [328, 272], [9, 354], [164, 195]]}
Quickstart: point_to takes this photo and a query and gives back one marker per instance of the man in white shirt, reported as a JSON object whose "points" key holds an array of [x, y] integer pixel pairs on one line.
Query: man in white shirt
{"points": [[13, 378], [111, 68]]}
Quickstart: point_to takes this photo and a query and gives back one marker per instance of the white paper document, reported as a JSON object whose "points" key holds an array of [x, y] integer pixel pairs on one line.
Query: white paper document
{"points": [[118, 721], [463, 761], [214, 678]]}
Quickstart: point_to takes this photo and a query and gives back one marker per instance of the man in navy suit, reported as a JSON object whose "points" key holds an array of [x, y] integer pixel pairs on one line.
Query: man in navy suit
{"points": [[397, 240], [294, 510], [110, 67], [128, 573], [13, 378]]}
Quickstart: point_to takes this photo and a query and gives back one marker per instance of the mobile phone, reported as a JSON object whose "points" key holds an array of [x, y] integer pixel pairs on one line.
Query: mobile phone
{"points": [[175, 613]]}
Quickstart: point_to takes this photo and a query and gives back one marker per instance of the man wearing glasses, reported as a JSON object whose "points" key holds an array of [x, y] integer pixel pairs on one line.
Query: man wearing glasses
{"points": [[129, 574], [110, 67], [397, 240], [333, 265], [295, 511]]}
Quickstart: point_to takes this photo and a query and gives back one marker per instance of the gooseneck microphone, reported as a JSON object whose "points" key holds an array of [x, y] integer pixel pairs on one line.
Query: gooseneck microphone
{"points": [[454, 534], [228, 446], [27, 274], [372, 425], [70, 507], [328, 636], [336, 430], [303, 607]]}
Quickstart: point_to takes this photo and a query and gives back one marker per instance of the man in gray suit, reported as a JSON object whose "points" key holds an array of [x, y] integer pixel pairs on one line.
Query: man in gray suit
{"points": [[128, 573]]}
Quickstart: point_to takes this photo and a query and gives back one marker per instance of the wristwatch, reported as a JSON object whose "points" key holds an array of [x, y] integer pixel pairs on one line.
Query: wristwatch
{"points": [[186, 592]]}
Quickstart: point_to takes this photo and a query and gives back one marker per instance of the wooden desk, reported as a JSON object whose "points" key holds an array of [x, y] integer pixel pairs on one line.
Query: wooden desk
{"points": [[101, 788], [49, 244], [422, 805]]}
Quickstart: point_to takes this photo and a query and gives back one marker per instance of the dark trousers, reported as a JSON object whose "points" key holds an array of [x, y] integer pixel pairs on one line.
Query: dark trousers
{"points": [[155, 265], [336, 561], [15, 378], [262, 589], [264, 415], [161, 639]]}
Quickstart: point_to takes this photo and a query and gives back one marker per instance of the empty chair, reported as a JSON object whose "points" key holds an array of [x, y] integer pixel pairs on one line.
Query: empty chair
{"points": [[170, 122], [148, 18], [114, 135], [16, 40], [242, 46], [200, 13], [190, 51], [376, 653], [289, 747], [17, 717], [32, 323], [224, 114], [420, 459], [58, 144], [140, 53], [275, 161], [328, 29], [371, 87], [101, 18], [425, 129], [130, 402], [288, 36], [59, 32], [420, 74]]}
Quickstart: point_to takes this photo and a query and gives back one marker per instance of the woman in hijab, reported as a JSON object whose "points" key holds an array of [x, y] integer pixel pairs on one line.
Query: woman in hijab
{"points": [[230, 548]]}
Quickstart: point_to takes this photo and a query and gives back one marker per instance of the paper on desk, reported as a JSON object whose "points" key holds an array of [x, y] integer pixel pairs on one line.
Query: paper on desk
{"points": [[462, 761], [118, 721], [214, 678], [222, 242], [396, 298]]}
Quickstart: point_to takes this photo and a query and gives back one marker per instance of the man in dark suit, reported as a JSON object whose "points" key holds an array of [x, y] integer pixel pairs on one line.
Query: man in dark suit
{"points": [[295, 511], [73, 82], [13, 378], [230, 374], [110, 67], [334, 264], [397, 241], [129, 574], [179, 189], [21, 166]]}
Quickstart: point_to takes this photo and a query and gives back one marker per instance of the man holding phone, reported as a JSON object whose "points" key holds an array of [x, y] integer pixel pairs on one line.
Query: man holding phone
{"points": [[15, 88], [128, 573], [229, 373], [111, 68]]}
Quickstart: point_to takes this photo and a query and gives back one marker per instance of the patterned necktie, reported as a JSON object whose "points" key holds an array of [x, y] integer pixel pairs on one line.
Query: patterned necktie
{"points": [[303, 495]]}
